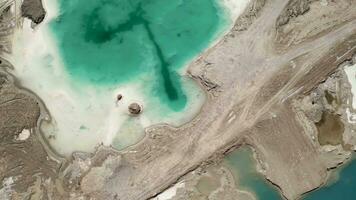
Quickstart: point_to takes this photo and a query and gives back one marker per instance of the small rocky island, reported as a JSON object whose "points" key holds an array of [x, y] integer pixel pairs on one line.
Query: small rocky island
{"points": [[135, 108]]}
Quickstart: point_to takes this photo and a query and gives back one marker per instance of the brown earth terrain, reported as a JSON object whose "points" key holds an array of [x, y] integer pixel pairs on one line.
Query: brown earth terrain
{"points": [[272, 82]]}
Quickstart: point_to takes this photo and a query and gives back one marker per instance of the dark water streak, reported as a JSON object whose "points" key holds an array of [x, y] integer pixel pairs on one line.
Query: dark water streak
{"points": [[96, 32]]}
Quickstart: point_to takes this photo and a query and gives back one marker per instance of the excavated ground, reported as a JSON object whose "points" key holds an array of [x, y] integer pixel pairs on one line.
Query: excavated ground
{"points": [[266, 82]]}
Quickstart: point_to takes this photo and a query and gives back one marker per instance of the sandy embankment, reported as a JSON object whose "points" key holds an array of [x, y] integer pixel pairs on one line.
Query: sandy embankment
{"points": [[351, 75]]}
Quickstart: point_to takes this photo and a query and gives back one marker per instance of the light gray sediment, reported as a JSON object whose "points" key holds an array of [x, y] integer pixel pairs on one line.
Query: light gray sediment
{"points": [[254, 78]]}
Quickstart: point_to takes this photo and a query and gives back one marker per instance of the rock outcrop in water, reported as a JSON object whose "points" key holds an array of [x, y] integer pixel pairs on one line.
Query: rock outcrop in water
{"points": [[119, 97], [135, 108]]}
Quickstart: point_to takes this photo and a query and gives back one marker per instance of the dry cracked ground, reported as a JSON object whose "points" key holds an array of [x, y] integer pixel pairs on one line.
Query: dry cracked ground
{"points": [[275, 82]]}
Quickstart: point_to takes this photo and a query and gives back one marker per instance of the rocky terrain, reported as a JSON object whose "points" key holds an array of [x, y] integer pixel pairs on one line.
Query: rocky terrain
{"points": [[274, 82], [33, 9]]}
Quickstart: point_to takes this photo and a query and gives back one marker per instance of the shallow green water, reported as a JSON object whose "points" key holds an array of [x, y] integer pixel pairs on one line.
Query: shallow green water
{"points": [[111, 42], [243, 166], [343, 188]]}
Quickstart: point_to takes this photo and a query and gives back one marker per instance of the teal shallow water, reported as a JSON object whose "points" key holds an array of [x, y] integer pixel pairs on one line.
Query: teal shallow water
{"points": [[344, 188], [111, 42], [243, 166]]}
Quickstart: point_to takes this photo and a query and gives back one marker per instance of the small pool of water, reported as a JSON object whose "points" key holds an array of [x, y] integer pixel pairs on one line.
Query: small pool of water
{"points": [[330, 129], [243, 166]]}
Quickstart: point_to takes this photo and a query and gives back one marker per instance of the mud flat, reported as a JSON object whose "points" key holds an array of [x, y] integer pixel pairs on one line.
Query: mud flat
{"points": [[255, 80]]}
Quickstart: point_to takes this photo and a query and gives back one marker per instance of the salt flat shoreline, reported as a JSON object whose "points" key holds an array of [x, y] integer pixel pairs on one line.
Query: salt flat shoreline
{"points": [[52, 12], [241, 107]]}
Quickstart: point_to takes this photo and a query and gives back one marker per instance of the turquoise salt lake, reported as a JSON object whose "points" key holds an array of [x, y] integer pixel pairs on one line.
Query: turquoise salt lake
{"points": [[86, 52], [110, 42]]}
